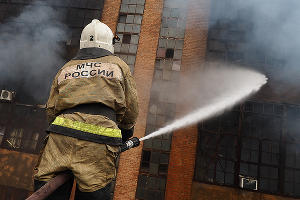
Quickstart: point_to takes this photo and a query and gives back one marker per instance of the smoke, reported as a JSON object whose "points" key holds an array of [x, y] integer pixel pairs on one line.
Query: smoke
{"points": [[31, 51], [271, 39], [212, 91], [214, 81]]}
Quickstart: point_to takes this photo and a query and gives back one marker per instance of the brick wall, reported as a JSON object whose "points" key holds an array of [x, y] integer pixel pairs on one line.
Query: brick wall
{"points": [[203, 191], [162, 106], [110, 14], [143, 73], [17, 169], [183, 150]]}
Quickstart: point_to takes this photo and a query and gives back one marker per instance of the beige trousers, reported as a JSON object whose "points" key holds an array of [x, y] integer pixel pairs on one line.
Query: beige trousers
{"points": [[93, 164]]}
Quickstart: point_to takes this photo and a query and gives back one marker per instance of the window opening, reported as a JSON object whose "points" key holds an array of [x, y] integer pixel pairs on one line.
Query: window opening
{"points": [[146, 160], [2, 132], [170, 53], [15, 138], [163, 169], [126, 39], [122, 18]]}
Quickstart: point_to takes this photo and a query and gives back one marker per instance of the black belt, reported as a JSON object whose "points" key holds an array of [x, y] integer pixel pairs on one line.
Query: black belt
{"points": [[93, 109]]}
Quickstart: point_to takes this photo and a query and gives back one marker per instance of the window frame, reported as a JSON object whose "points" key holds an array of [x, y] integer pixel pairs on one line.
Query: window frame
{"points": [[276, 147]]}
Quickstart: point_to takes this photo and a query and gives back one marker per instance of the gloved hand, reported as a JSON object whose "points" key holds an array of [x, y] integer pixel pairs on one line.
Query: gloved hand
{"points": [[126, 134], [133, 142]]}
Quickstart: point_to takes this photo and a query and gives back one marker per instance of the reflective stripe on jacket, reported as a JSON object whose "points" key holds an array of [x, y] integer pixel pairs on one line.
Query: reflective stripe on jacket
{"points": [[85, 131]]}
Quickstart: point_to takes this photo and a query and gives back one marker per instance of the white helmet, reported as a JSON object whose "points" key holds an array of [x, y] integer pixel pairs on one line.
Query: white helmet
{"points": [[96, 34]]}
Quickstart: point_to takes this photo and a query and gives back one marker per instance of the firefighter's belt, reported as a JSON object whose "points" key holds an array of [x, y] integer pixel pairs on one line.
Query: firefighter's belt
{"points": [[86, 131], [93, 109]]}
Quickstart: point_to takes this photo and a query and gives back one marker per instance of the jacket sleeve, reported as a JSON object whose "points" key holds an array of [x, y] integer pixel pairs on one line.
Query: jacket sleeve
{"points": [[50, 106], [132, 109]]}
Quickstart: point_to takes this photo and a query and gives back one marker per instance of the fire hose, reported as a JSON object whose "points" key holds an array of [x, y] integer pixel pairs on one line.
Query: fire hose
{"points": [[60, 179]]}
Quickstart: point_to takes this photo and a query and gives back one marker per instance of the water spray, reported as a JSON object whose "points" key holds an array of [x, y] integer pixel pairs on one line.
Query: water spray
{"points": [[218, 105]]}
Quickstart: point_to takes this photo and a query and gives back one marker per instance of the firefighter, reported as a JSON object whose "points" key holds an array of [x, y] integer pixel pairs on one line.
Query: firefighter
{"points": [[92, 107]]}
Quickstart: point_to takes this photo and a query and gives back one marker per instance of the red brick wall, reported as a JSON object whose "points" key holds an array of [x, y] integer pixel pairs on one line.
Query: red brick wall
{"points": [[17, 169], [203, 191], [110, 13], [143, 72], [183, 150]]}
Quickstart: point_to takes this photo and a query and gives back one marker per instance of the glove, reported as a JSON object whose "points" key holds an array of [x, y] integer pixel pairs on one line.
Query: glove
{"points": [[126, 134]]}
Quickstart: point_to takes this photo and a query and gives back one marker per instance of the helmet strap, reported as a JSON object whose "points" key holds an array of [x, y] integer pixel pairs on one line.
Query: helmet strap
{"points": [[116, 38]]}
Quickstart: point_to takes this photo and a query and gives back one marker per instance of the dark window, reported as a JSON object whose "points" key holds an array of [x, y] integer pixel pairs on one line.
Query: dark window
{"points": [[270, 152], [163, 169], [2, 132], [15, 138], [292, 160], [217, 159], [170, 53], [25, 129], [126, 39], [163, 163], [122, 18], [250, 150], [292, 182], [258, 141], [268, 179], [22, 139], [146, 160], [260, 146], [217, 156]]}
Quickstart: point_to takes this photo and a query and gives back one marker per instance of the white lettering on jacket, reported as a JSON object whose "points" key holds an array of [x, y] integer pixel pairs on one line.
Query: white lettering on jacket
{"points": [[89, 70]]}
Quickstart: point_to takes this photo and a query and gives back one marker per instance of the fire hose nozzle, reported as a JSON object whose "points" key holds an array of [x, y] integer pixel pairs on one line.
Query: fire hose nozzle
{"points": [[131, 143]]}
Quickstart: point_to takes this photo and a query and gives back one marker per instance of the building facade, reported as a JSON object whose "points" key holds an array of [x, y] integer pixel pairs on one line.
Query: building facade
{"points": [[256, 143]]}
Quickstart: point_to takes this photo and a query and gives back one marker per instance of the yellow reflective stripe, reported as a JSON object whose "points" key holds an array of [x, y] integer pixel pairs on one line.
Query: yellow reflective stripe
{"points": [[90, 128]]}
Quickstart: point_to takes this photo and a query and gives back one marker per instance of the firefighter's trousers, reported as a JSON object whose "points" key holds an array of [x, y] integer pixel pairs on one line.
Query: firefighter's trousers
{"points": [[93, 165]]}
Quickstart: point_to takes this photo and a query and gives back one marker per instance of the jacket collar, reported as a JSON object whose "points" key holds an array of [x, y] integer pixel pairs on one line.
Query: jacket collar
{"points": [[91, 53]]}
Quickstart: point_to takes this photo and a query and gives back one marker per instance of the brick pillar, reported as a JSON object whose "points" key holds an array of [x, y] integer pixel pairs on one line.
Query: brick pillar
{"points": [[110, 13], [129, 165], [184, 141]]}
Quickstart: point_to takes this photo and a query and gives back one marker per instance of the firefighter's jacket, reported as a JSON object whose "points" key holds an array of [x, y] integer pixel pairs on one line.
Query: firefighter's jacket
{"points": [[93, 76]]}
